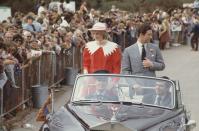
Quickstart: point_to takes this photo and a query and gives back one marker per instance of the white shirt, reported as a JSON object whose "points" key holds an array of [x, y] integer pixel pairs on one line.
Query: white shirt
{"points": [[60, 11], [161, 99], [140, 47], [40, 10], [64, 23], [156, 99], [176, 25], [69, 7]]}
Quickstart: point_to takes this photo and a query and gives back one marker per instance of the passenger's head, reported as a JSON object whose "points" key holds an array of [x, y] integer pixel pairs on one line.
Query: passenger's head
{"points": [[101, 81], [162, 88]]}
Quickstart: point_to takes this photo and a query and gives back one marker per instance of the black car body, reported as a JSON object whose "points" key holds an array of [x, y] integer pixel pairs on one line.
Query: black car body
{"points": [[121, 103]]}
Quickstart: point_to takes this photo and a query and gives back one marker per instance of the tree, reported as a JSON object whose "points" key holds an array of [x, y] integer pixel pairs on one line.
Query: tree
{"points": [[130, 5]]}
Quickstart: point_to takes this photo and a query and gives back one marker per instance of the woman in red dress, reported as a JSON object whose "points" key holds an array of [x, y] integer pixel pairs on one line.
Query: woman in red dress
{"points": [[101, 54]]}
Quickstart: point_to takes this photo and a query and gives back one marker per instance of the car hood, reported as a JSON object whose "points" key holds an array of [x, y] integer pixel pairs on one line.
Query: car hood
{"points": [[126, 118]]}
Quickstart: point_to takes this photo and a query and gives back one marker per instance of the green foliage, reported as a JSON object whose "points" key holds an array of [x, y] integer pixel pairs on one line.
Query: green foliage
{"points": [[139, 5], [20, 5], [130, 5]]}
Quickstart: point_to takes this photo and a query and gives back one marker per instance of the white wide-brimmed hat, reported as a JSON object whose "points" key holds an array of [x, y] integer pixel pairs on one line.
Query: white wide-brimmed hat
{"points": [[98, 27]]}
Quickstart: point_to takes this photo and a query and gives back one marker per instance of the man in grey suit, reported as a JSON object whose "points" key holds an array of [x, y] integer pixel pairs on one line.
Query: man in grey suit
{"points": [[160, 94], [163, 94], [142, 58]]}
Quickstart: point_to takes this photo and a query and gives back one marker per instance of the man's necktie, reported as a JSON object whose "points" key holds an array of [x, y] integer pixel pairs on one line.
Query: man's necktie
{"points": [[33, 27], [143, 53]]}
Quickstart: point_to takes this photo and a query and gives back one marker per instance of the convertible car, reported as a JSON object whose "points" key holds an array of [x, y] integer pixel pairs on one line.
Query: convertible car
{"points": [[107, 102]]}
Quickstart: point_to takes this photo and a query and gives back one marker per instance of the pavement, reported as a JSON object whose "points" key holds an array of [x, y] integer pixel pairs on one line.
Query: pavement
{"points": [[183, 64]]}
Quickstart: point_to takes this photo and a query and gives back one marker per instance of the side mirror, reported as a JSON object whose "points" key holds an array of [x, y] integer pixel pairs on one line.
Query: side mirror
{"points": [[191, 124]]}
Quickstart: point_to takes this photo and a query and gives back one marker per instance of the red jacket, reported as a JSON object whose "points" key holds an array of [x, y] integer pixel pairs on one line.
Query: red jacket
{"points": [[106, 57]]}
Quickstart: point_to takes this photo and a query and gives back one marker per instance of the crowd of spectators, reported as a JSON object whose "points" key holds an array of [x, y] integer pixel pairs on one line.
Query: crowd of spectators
{"points": [[57, 29]]}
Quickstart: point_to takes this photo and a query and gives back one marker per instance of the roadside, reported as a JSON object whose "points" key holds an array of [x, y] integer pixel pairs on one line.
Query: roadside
{"points": [[26, 121]]}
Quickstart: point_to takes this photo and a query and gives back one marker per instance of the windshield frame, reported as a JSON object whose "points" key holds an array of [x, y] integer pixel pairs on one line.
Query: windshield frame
{"points": [[133, 76]]}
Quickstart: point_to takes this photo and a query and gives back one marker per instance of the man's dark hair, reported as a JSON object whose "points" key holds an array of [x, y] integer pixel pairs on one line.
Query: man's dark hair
{"points": [[40, 20], [43, 3], [61, 1], [29, 17], [18, 37], [102, 72], [165, 83], [144, 28], [67, 1], [165, 77], [102, 78], [18, 23]]}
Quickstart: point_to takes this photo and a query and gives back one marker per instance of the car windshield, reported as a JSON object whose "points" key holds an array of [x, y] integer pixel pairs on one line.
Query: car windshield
{"points": [[133, 89]]}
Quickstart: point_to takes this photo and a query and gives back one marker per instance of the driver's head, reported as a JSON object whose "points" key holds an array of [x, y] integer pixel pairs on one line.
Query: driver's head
{"points": [[101, 82], [138, 88]]}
